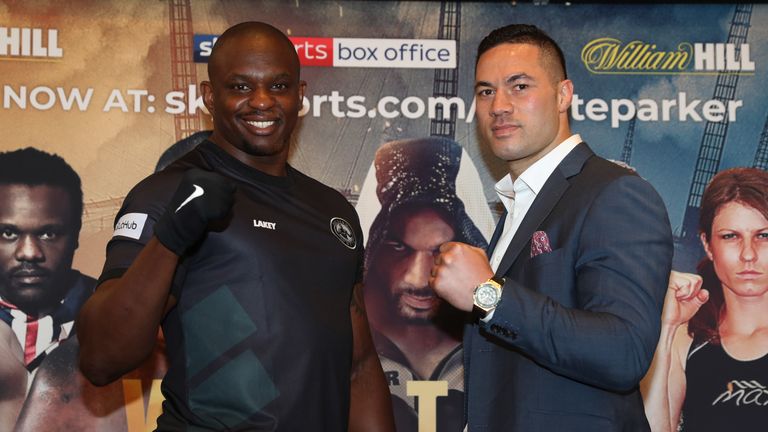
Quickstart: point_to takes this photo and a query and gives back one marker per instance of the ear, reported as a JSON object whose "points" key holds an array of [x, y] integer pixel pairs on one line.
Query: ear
{"points": [[705, 243], [207, 91], [564, 95]]}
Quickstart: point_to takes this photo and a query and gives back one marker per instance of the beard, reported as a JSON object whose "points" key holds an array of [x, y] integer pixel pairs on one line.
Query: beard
{"points": [[31, 288], [417, 305]]}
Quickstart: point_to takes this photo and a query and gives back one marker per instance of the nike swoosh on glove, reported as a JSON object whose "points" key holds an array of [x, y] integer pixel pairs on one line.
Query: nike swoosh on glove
{"points": [[202, 197]]}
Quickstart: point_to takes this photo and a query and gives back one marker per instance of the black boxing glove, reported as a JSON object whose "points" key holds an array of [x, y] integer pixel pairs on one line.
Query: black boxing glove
{"points": [[202, 197]]}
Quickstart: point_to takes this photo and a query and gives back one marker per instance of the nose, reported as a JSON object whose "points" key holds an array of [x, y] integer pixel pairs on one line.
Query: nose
{"points": [[261, 99], [28, 249], [419, 266], [748, 252], [501, 104]]}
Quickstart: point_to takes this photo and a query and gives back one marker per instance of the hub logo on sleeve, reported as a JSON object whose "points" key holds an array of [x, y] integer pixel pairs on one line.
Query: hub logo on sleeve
{"points": [[130, 225]]}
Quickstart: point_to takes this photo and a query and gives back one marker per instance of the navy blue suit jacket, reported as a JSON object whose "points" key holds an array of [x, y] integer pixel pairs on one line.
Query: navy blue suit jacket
{"points": [[576, 327]]}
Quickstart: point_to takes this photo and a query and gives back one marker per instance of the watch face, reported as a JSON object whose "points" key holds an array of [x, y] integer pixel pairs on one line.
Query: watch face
{"points": [[486, 296]]}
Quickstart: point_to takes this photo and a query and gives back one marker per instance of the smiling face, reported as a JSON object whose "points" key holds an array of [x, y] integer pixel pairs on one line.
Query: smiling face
{"points": [[254, 95], [38, 239], [521, 106], [738, 248]]}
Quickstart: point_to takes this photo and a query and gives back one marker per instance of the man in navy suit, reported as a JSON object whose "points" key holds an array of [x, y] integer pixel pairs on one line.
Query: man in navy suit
{"points": [[567, 312]]}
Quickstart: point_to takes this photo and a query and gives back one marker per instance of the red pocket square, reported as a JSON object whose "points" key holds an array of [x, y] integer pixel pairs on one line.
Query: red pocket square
{"points": [[540, 244]]}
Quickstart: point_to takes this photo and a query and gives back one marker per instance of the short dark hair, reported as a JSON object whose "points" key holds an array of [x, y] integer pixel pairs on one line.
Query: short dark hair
{"points": [[32, 167], [525, 34]]}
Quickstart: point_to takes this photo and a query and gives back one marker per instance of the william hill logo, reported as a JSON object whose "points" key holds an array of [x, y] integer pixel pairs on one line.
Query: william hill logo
{"points": [[29, 43], [612, 56]]}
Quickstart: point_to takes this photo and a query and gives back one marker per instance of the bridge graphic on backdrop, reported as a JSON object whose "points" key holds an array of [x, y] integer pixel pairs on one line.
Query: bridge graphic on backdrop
{"points": [[688, 250]]}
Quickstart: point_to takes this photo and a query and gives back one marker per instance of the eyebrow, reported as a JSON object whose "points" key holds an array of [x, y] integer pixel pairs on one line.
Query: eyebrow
{"points": [[482, 84], [509, 80], [248, 77], [59, 227], [516, 77], [731, 229]]}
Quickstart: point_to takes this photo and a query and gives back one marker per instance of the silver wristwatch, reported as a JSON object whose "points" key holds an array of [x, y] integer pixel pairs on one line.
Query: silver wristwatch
{"points": [[487, 296]]}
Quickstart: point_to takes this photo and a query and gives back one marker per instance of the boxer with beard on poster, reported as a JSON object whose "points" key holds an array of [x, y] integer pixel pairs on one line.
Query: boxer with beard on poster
{"points": [[417, 335]]}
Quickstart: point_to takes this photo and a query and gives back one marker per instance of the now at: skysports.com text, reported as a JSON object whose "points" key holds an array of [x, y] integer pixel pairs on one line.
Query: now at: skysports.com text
{"points": [[615, 111]]}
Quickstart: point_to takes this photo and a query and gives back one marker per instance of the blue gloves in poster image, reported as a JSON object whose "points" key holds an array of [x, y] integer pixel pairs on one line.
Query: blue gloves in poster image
{"points": [[202, 197]]}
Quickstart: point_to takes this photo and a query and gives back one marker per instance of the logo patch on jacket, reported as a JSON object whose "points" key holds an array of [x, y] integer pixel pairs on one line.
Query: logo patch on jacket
{"points": [[344, 232]]}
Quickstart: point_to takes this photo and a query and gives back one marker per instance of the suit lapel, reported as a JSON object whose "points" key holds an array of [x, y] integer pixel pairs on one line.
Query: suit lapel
{"points": [[496, 233], [545, 201]]}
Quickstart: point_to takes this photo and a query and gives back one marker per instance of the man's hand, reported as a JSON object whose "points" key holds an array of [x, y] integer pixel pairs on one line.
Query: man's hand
{"points": [[201, 197], [683, 299], [458, 269]]}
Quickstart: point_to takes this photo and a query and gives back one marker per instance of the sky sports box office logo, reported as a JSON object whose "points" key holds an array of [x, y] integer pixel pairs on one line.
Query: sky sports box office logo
{"points": [[349, 52]]}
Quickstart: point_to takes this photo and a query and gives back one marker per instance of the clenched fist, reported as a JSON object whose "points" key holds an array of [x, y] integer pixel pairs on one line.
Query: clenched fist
{"points": [[458, 269], [202, 197], [683, 299]]}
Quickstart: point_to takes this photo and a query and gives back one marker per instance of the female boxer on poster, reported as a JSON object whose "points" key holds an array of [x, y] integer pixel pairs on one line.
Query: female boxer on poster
{"points": [[710, 370]]}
